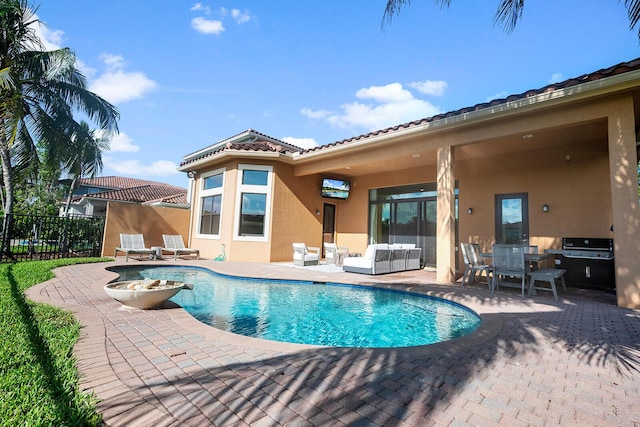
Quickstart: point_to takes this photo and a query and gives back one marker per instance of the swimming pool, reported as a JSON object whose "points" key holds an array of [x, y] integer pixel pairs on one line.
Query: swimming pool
{"points": [[325, 314]]}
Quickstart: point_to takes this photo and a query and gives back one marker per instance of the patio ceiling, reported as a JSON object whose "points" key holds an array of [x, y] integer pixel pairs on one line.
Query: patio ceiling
{"points": [[420, 150]]}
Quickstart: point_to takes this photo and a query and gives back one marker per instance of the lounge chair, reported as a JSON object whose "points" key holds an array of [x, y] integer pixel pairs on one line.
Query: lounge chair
{"points": [[133, 244], [173, 243], [304, 255]]}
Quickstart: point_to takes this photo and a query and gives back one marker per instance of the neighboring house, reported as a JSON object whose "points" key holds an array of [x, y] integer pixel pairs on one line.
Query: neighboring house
{"points": [[92, 194], [559, 161]]}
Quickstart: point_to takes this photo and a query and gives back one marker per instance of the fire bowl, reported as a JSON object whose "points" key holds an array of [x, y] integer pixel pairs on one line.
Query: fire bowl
{"points": [[143, 294]]}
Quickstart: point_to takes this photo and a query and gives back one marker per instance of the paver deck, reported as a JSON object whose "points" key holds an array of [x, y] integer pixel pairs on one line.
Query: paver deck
{"points": [[534, 361]]}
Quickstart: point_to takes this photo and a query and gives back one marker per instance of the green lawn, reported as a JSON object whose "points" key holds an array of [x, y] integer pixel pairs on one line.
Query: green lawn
{"points": [[38, 375]]}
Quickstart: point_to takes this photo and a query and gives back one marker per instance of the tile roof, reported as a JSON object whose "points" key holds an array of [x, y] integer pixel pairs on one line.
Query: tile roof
{"points": [[249, 141], [134, 190], [114, 182], [142, 194], [621, 68], [254, 141]]}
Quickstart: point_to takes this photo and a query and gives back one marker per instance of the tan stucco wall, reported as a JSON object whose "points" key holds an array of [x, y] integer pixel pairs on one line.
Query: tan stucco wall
{"points": [[150, 221], [573, 180], [294, 204]]}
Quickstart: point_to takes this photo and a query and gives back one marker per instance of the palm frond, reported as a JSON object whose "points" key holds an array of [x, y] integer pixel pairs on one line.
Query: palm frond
{"points": [[509, 13], [633, 12]]}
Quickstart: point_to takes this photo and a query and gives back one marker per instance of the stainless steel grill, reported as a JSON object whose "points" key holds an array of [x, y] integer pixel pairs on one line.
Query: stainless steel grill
{"points": [[589, 262]]}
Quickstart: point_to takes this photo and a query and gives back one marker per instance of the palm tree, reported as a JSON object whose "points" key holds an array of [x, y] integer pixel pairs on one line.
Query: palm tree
{"points": [[80, 157], [510, 11], [39, 93]]}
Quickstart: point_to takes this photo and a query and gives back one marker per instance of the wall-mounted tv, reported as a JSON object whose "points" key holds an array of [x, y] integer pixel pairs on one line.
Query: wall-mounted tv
{"points": [[335, 188]]}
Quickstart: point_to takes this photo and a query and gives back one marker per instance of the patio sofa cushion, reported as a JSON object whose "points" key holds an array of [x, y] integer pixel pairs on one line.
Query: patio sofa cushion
{"points": [[383, 258], [376, 260]]}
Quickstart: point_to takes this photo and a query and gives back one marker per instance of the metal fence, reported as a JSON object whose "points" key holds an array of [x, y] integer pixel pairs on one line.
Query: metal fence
{"points": [[33, 237]]}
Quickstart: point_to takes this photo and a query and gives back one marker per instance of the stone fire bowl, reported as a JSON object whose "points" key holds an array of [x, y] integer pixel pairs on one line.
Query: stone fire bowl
{"points": [[140, 297]]}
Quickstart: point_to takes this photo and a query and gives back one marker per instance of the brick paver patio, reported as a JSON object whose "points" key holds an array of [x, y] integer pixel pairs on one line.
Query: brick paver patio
{"points": [[533, 362]]}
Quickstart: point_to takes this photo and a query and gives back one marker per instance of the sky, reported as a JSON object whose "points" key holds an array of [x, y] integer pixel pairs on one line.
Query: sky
{"points": [[187, 74]]}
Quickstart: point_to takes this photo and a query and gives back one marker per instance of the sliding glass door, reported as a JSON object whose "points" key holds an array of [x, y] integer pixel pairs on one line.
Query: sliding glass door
{"points": [[406, 214]]}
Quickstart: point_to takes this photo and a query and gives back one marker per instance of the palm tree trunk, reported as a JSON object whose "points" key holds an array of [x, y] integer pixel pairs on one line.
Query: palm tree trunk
{"points": [[8, 178], [70, 196], [5, 156]]}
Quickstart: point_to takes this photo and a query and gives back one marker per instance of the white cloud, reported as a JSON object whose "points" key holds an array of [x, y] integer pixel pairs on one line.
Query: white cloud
{"points": [[319, 114], [392, 105], [116, 85], [199, 7], [51, 39], [430, 87], [556, 77], [136, 168], [207, 26], [301, 142], [122, 143], [240, 17], [393, 92]]}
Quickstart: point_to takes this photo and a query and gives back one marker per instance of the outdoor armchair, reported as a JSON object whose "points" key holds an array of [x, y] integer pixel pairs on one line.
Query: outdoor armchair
{"points": [[304, 255]]}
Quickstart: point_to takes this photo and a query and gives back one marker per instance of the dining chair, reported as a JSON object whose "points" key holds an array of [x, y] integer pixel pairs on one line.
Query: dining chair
{"points": [[473, 263], [508, 261]]}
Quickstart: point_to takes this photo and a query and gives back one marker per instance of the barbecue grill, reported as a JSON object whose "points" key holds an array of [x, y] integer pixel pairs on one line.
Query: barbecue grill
{"points": [[589, 262]]}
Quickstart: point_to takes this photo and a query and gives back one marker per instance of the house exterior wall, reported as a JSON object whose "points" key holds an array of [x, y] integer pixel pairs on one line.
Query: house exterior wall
{"points": [[294, 198], [150, 221]]}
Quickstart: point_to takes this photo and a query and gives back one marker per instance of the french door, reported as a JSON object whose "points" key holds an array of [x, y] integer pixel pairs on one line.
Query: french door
{"points": [[512, 218], [328, 224]]}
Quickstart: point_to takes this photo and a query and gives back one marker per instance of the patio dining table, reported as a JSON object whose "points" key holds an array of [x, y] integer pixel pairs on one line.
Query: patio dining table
{"points": [[532, 258], [527, 257]]}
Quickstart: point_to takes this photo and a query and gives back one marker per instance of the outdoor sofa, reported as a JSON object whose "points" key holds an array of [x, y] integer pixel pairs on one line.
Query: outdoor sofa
{"points": [[384, 258]]}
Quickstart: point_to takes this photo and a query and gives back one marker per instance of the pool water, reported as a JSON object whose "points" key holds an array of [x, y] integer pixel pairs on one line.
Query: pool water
{"points": [[325, 314]]}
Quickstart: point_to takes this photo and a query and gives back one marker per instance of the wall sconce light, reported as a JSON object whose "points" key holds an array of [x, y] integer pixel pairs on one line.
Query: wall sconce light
{"points": [[545, 208], [191, 174], [317, 211], [470, 211]]}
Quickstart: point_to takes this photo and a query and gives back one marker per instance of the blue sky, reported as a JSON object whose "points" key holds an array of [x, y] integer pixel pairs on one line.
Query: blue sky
{"points": [[186, 74]]}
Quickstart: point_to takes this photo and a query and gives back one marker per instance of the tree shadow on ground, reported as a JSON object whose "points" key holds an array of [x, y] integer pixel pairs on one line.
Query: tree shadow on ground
{"points": [[416, 385]]}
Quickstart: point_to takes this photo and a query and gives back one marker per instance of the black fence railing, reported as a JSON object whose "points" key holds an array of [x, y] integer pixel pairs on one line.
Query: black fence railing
{"points": [[33, 237]]}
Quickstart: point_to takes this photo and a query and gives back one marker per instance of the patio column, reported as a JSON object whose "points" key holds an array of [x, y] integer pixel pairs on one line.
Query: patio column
{"points": [[446, 224], [623, 174]]}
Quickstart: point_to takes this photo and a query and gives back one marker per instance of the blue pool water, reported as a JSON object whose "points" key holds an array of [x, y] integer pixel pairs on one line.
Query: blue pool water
{"points": [[326, 314]]}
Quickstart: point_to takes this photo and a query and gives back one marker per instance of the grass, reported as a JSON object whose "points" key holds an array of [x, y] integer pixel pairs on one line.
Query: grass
{"points": [[38, 374]]}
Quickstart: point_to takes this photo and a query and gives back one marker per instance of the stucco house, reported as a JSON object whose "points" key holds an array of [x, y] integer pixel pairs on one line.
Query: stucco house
{"points": [[92, 194], [564, 156]]}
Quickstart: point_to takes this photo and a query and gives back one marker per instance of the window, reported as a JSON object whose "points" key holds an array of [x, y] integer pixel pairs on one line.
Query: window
{"points": [[211, 204], [254, 202]]}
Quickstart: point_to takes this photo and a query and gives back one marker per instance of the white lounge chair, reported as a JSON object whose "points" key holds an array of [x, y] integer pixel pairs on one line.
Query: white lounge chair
{"points": [[133, 244], [175, 244], [304, 255]]}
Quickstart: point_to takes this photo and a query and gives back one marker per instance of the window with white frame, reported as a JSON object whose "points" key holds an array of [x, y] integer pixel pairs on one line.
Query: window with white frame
{"points": [[254, 202], [211, 204]]}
